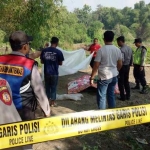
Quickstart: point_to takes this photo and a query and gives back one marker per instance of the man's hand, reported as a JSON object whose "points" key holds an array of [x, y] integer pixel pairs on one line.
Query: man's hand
{"points": [[91, 81], [48, 115], [84, 47], [141, 68], [94, 71]]}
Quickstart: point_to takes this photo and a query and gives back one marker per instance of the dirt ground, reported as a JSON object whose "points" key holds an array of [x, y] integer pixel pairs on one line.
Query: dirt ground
{"points": [[124, 138]]}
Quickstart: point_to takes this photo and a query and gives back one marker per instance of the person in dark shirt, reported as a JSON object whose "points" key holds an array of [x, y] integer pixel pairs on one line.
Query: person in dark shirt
{"points": [[123, 78], [51, 57]]}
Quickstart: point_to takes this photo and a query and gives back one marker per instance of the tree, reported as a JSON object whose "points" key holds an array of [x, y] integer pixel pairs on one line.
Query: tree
{"points": [[139, 5], [123, 30], [46, 18], [95, 30], [84, 15], [30, 16], [141, 25]]}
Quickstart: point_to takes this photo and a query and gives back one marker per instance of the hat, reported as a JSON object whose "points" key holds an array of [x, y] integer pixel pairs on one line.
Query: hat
{"points": [[19, 38], [139, 40]]}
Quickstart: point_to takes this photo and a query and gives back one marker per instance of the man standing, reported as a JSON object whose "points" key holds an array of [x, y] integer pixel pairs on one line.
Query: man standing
{"points": [[123, 78], [94, 48], [108, 61], [139, 62], [23, 76], [51, 57]]}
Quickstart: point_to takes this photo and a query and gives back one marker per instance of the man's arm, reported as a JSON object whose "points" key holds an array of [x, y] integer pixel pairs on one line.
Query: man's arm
{"points": [[94, 71], [119, 64], [34, 55], [41, 58], [86, 47], [39, 90], [60, 58], [96, 65], [60, 63], [131, 60], [143, 56], [12, 108]]}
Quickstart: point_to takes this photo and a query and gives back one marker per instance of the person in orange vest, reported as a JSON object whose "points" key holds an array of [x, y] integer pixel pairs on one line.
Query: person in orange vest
{"points": [[24, 78]]}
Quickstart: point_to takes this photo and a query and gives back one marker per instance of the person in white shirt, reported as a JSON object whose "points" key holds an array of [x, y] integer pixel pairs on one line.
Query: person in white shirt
{"points": [[107, 62]]}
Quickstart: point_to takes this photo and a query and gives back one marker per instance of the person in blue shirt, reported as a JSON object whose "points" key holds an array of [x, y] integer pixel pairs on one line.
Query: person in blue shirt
{"points": [[51, 57]]}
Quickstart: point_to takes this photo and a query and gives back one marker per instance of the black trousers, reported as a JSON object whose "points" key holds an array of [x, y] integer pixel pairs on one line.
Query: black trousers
{"points": [[123, 82], [92, 62], [139, 75]]}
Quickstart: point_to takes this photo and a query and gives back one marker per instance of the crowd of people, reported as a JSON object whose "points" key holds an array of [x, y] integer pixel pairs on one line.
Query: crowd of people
{"points": [[113, 66], [22, 89]]}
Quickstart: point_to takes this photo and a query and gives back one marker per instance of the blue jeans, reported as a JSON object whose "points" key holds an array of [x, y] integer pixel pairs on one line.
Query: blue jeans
{"points": [[51, 86], [103, 87]]}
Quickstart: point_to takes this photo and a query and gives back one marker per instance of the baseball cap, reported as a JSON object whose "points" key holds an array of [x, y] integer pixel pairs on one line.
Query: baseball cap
{"points": [[138, 40], [19, 38]]}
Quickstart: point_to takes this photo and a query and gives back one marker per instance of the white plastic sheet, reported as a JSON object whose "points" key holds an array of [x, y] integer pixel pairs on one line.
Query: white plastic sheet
{"points": [[74, 61], [75, 97]]}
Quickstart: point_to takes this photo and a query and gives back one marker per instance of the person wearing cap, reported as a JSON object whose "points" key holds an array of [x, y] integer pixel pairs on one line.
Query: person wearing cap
{"points": [[138, 63], [51, 57], [123, 77], [24, 78], [94, 48]]}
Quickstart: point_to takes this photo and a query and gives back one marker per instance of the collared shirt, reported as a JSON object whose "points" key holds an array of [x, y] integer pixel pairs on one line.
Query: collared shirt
{"points": [[126, 54], [38, 88]]}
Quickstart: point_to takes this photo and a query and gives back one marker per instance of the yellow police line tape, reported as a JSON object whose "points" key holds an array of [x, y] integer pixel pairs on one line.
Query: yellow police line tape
{"points": [[73, 124]]}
